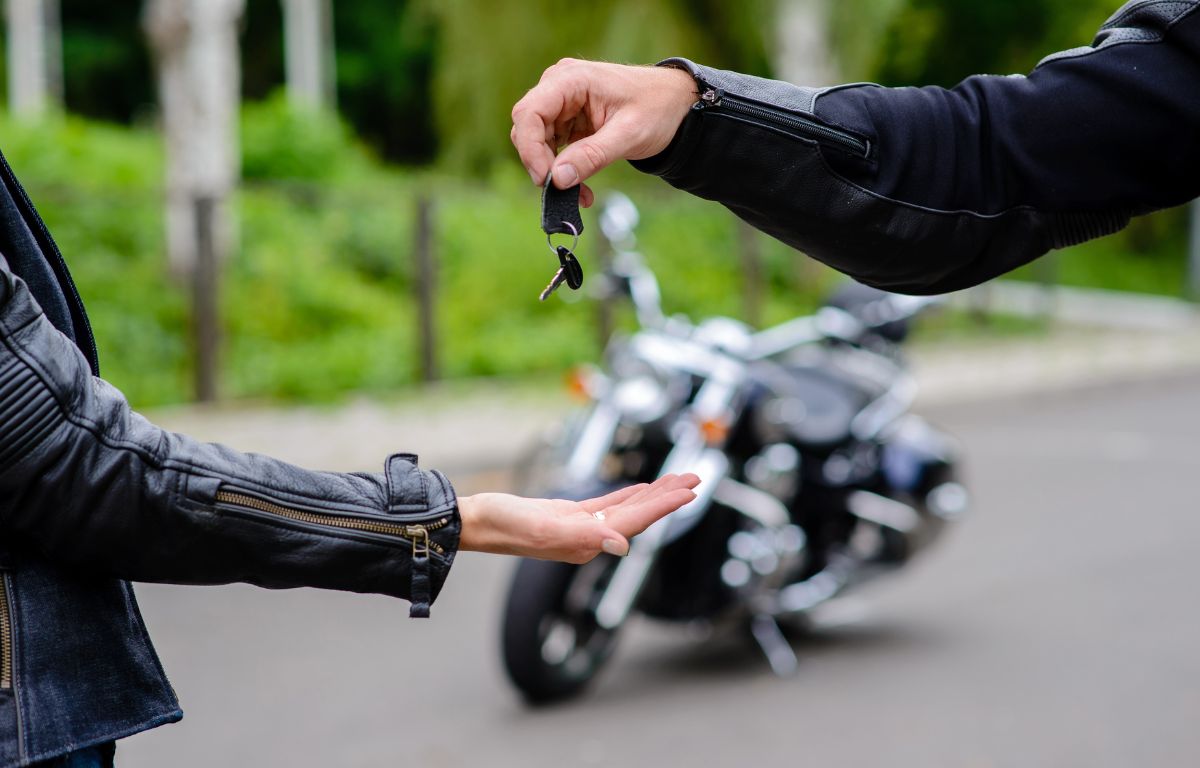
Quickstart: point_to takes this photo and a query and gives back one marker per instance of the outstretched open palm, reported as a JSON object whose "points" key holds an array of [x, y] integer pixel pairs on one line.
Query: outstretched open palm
{"points": [[570, 531]]}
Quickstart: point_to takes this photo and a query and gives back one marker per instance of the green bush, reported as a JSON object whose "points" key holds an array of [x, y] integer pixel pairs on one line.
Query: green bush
{"points": [[1150, 256], [318, 299], [281, 143], [99, 189]]}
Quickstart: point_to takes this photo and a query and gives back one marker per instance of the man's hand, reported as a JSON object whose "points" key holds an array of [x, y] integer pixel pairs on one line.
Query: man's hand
{"points": [[570, 531], [602, 113]]}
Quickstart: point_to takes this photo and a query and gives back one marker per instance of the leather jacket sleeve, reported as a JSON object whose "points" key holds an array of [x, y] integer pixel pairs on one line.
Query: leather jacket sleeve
{"points": [[926, 190], [95, 486]]}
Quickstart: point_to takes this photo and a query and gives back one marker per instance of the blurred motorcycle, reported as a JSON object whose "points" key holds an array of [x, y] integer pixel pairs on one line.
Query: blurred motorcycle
{"points": [[815, 477]]}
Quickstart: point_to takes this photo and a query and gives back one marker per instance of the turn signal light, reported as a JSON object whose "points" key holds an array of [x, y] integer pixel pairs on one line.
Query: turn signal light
{"points": [[715, 431], [578, 382]]}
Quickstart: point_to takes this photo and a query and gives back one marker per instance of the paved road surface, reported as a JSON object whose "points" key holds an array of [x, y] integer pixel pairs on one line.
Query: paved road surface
{"points": [[1057, 627]]}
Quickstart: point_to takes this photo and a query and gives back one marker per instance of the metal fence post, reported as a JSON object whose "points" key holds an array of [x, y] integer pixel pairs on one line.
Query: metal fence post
{"points": [[1194, 254], [206, 329], [1045, 271], [605, 307], [426, 290], [753, 273]]}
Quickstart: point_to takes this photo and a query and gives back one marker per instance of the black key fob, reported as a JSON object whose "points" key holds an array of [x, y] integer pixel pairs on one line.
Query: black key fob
{"points": [[572, 269]]}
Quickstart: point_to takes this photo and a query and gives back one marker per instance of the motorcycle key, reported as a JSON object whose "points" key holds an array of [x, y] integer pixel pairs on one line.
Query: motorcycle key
{"points": [[560, 216], [569, 272]]}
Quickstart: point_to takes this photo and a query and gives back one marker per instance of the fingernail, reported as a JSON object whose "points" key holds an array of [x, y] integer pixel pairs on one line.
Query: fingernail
{"points": [[533, 175], [565, 175], [614, 547]]}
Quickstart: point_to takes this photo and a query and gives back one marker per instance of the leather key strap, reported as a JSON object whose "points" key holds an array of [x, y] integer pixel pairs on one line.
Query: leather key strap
{"points": [[559, 208]]}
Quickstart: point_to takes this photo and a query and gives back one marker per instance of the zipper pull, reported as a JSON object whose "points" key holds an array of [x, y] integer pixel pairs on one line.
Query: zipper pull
{"points": [[419, 595], [711, 97]]}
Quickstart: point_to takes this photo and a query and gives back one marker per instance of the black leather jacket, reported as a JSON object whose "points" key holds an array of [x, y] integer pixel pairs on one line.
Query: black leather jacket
{"points": [[927, 190], [92, 494]]}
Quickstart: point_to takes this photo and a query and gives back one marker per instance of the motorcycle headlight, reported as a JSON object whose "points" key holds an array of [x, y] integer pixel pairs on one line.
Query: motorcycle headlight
{"points": [[642, 398], [642, 390]]}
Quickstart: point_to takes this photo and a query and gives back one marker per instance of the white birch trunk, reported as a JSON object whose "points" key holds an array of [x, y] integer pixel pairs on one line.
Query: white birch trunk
{"points": [[34, 57], [308, 53], [803, 55], [199, 86]]}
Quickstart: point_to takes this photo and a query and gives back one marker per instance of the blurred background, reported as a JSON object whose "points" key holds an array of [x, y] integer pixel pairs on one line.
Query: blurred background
{"points": [[309, 213], [344, 147]]}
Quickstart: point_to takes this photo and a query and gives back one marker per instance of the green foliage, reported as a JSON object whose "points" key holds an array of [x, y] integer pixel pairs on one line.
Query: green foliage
{"points": [[107, 70], [385, 56], [281, 143], [939, 42], [492, 51], [856, 28], [1150, 256], [384, 52], [400, 63], [98, 188], [318, 300], [262, 48], [494, 262]]}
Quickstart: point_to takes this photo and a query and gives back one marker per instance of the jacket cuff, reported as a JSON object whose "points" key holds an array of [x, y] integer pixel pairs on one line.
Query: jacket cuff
{"points": [[426, 502], [676, 153], [794, 98]]}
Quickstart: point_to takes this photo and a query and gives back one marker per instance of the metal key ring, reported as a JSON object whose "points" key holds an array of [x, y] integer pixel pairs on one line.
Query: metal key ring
{"points": [[574, 233]]}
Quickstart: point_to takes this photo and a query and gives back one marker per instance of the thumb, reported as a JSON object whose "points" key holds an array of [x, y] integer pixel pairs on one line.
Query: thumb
{"points": [[614, 543], [583, 158], [584, 536], [608, 539]]}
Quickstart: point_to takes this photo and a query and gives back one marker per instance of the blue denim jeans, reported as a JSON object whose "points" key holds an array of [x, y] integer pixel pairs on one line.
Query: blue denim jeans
{"points": [[94, 757]]}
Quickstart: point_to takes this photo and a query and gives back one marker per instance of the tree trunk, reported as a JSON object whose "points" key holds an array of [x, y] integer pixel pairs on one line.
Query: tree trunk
{"points": [[803, 54], [196, 48], [34, 57], [308, 48], [199, 86]]}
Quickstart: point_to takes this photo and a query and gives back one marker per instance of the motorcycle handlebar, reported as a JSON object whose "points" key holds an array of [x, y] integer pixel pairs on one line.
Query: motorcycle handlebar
{"points": [[839, 324], [629, 271]]}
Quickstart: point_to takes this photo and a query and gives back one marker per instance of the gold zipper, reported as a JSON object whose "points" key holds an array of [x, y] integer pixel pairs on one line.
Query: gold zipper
{"points": [[6, 637], [417, 533]]}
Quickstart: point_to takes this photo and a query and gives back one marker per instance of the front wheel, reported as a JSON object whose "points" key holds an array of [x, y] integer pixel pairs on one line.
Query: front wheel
{"points": [[552, 644]]}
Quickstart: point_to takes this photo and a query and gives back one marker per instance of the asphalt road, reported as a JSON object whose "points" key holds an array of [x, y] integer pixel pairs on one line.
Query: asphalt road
{"points": [[1058, 626]]}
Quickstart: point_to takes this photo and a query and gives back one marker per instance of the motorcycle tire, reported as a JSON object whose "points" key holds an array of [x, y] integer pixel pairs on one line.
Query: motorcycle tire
{"points": [[552, 648]]}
